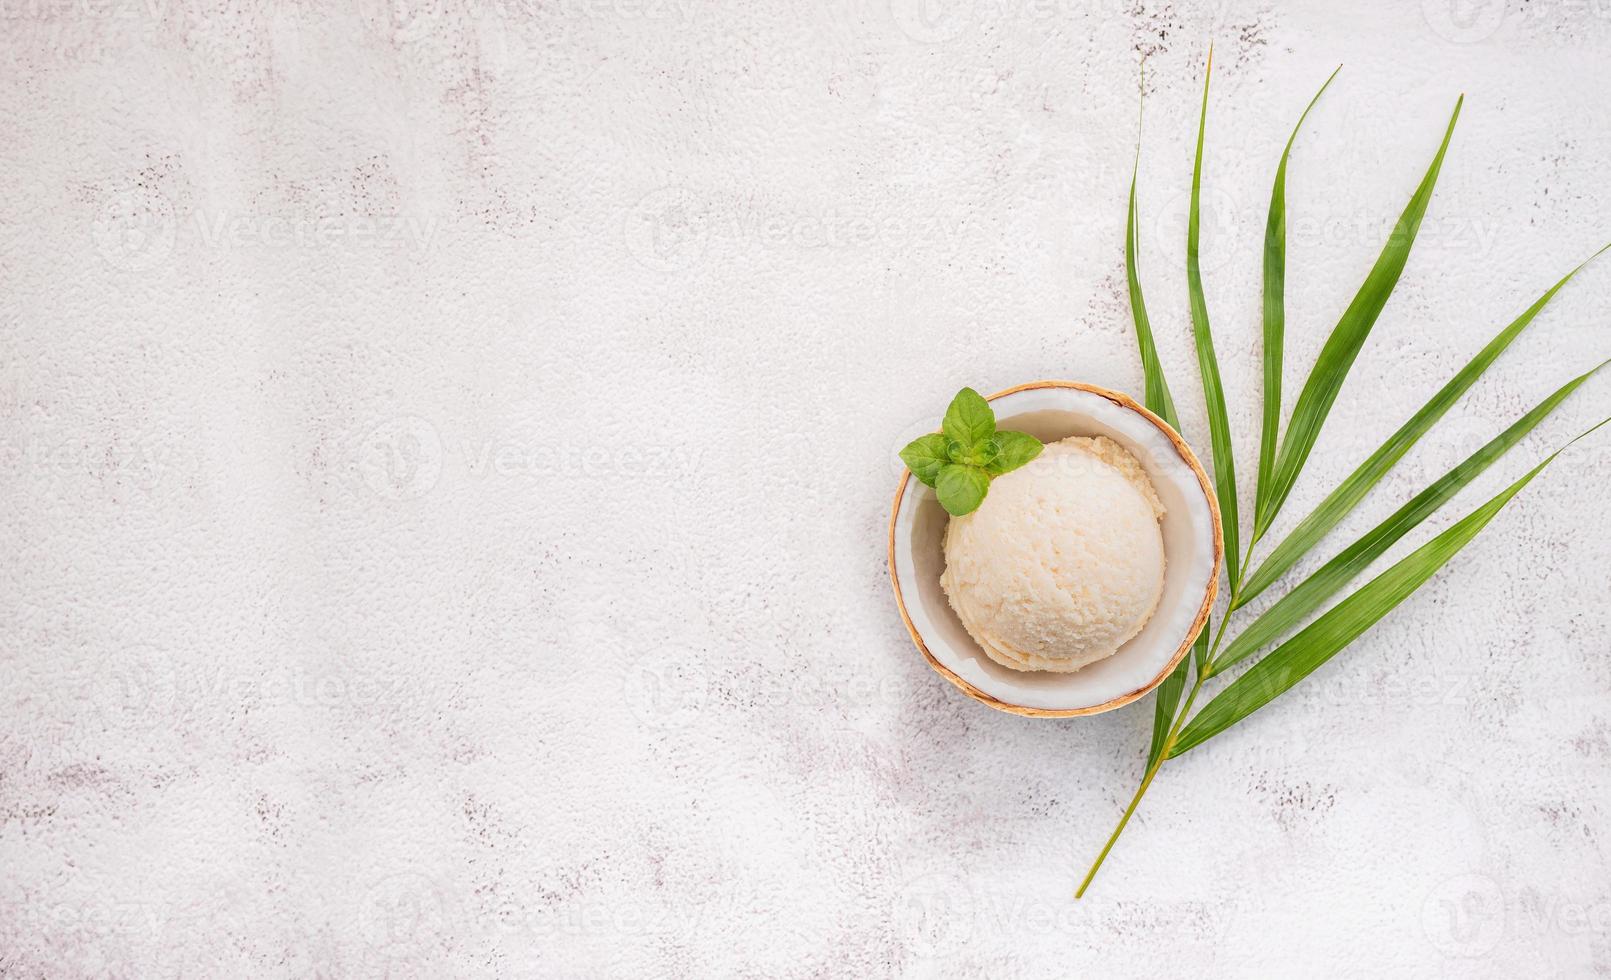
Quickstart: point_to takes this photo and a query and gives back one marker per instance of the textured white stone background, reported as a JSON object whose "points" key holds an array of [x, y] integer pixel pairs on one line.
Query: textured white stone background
{"points": [[449, 450]]}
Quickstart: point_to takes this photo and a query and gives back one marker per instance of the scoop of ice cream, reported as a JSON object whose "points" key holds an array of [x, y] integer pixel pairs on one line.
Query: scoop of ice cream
{"points": [[1063, 562]]}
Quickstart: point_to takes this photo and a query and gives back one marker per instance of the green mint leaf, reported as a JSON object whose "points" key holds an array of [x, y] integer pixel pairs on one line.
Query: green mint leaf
{"points": [[962, 488], [979, 454], [925, 456], [987, 451], [969, 420], [1015, 449]]}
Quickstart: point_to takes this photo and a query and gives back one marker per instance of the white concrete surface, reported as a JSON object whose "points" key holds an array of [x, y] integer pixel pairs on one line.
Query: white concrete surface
{"points": [[448, 449]]}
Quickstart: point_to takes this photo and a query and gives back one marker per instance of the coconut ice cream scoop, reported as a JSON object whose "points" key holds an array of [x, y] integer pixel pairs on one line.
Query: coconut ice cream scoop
{"points": [[1063, 562]]}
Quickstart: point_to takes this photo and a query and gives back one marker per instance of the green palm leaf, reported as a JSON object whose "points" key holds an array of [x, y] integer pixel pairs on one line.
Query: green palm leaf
{"points": [[1160, 403], [1323, 584], [1157, 389], [1275, 314], [1343, 346], [1300, 656], [1163, 711], [1282, 457], [1353, 489], [1219, 426]]}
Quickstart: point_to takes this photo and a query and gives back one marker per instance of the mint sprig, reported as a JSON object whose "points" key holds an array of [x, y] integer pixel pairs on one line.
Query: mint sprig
{"points": [[968, 452]]}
